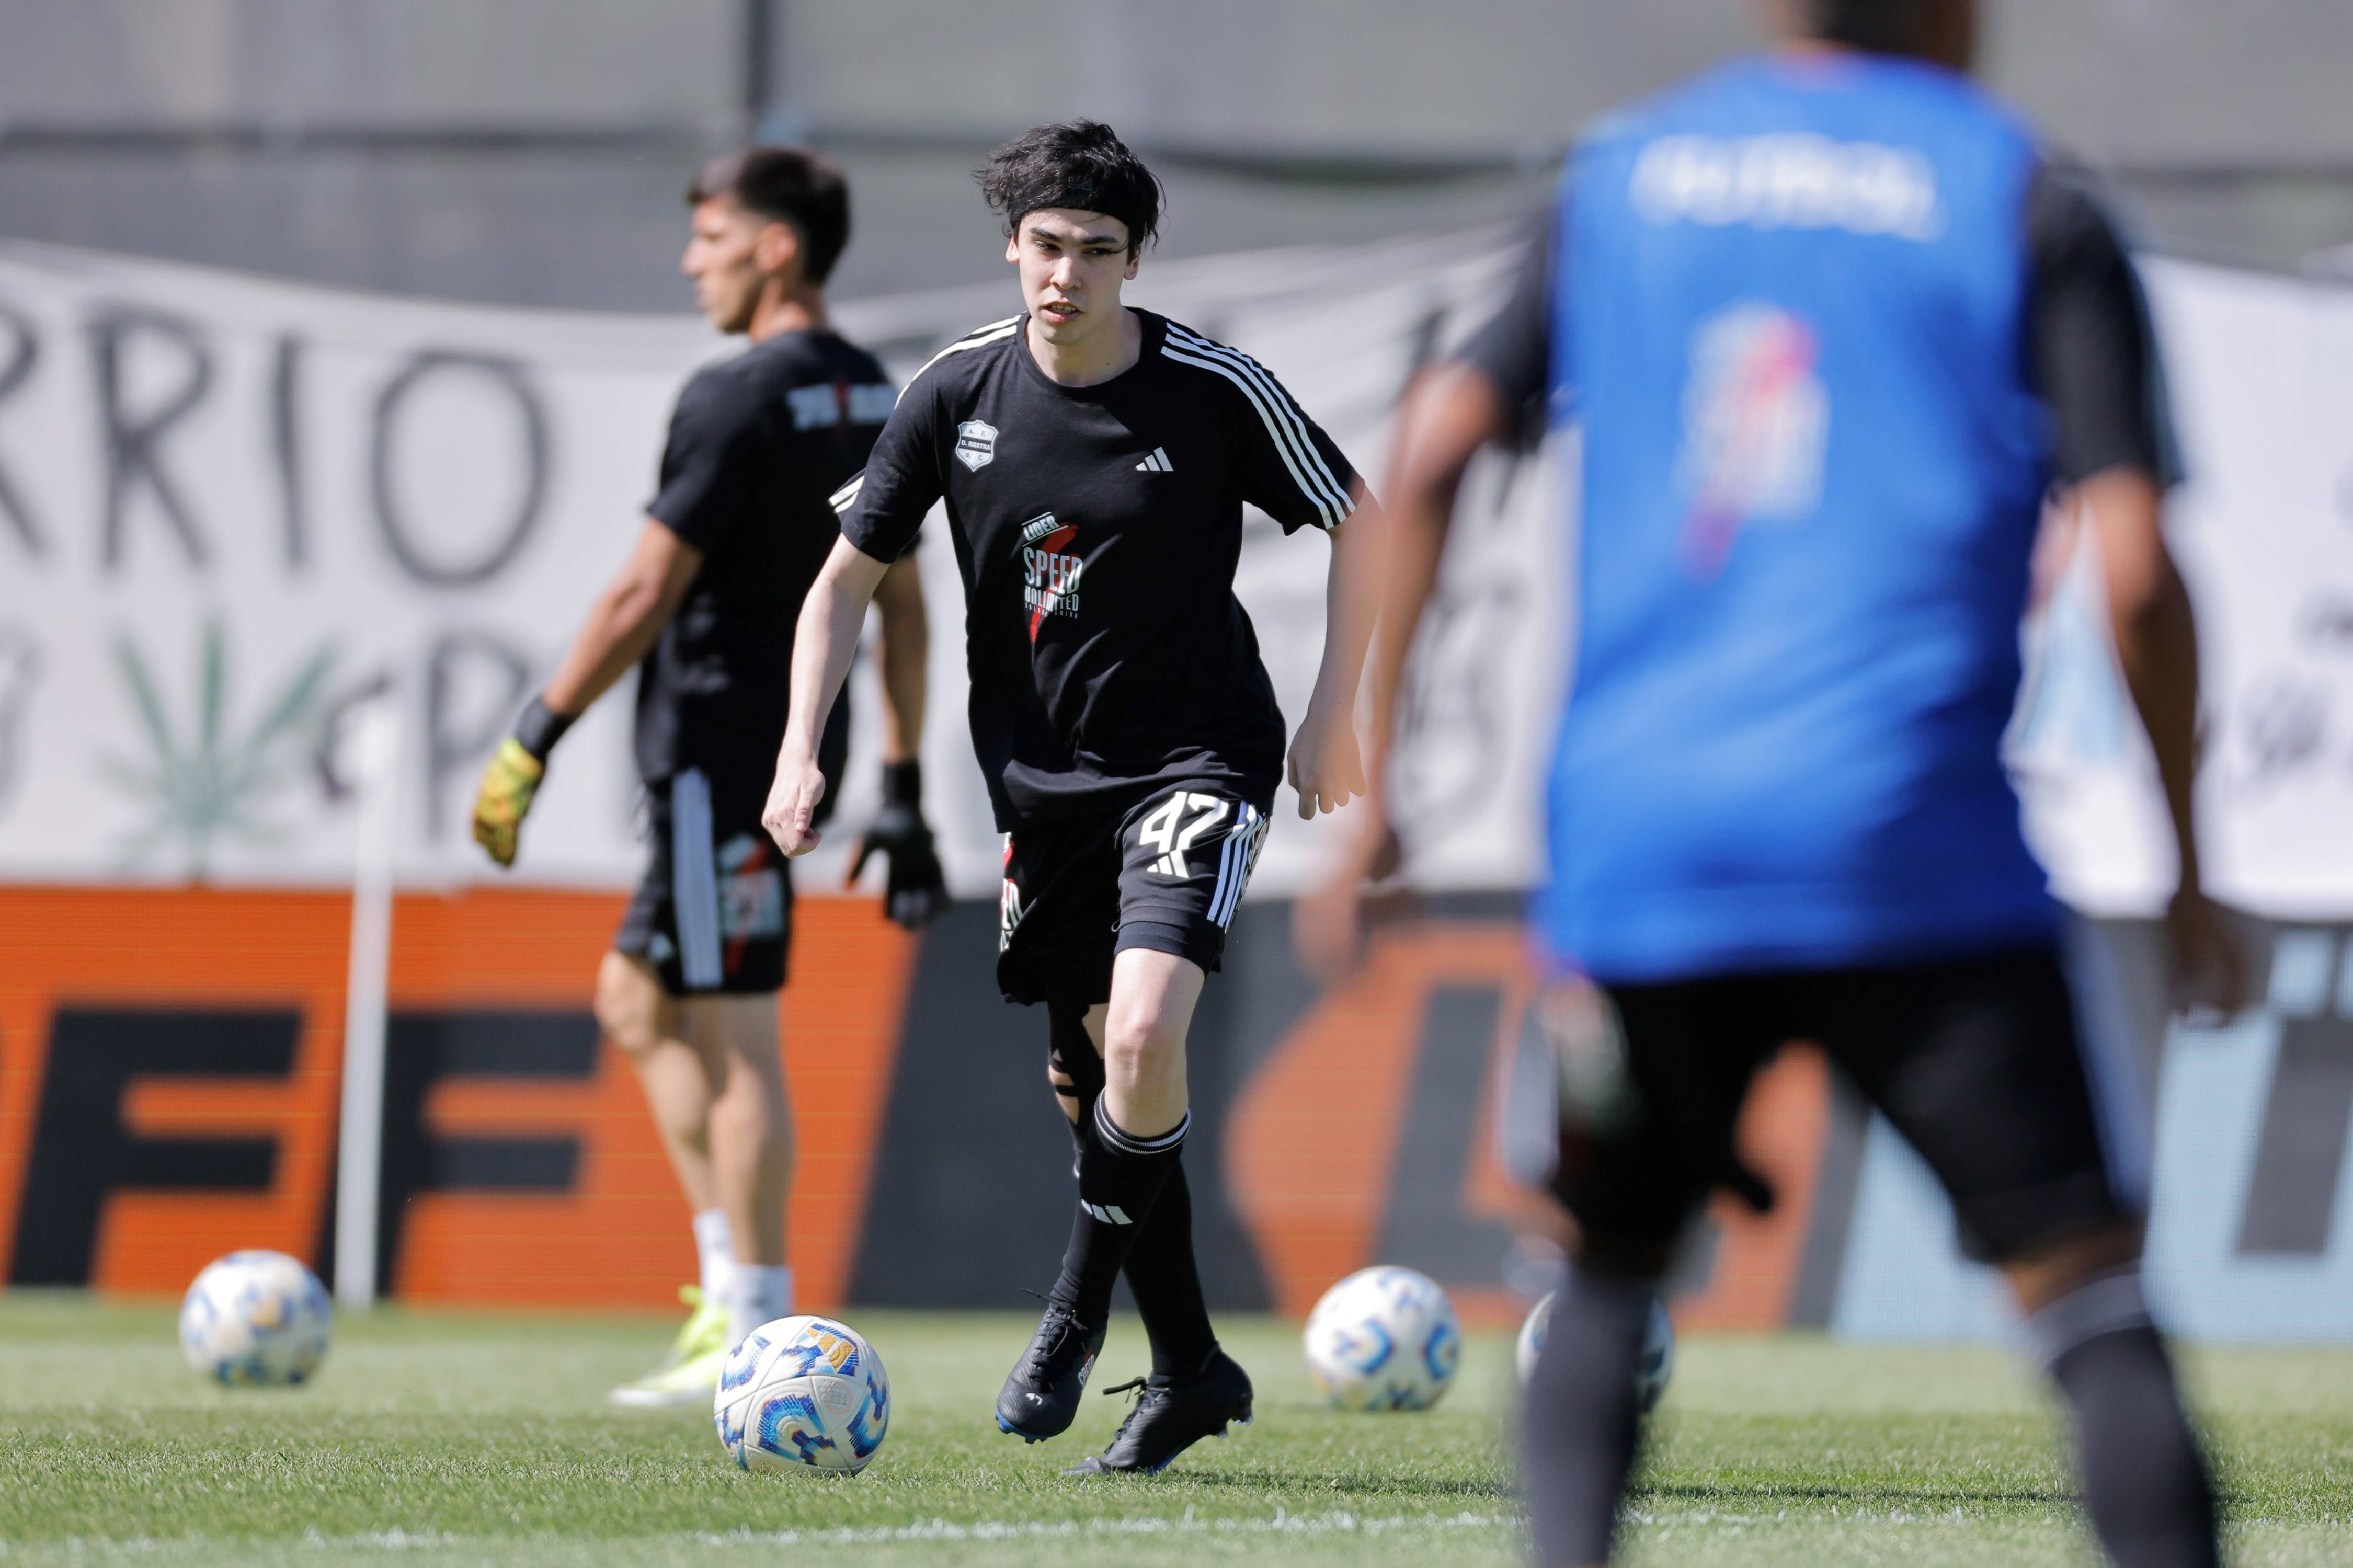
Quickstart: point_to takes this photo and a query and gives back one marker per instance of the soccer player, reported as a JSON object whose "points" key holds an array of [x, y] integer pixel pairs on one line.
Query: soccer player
{"points": [[1095, 460], [1833, 327], [705, 609]]}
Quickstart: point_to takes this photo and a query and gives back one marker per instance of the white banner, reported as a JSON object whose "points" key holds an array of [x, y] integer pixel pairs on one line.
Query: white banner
{"points": [[229, 507]]}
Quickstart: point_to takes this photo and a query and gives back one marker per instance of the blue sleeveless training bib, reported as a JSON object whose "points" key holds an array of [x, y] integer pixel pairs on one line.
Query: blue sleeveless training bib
{"points": [[1790, 318]]}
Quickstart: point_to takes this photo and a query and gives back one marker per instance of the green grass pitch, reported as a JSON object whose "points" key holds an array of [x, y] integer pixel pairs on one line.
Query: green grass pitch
{"points": [[437, 1440]]}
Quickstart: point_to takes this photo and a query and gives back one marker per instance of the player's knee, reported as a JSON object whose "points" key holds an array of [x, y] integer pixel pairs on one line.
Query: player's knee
{"points": [[1142, 1031], [627, 1005]]}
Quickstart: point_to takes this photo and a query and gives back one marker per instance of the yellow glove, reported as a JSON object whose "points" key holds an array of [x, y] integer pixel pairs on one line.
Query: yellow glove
{"points": [[508, 786]]}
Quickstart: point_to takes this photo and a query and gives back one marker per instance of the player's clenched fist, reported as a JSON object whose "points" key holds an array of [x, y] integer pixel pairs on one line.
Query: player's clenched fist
{"points": [[792, 804]]}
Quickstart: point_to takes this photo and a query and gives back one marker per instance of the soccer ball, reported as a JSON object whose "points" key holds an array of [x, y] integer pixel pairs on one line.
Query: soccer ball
{"points": [[1384, 1339], [255, 1319], [1651, 1369], [802, 1394]]}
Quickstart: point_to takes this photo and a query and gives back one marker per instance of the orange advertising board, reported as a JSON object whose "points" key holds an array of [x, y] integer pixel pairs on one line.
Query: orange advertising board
{"points": [[170, 1090], [244, 964]]}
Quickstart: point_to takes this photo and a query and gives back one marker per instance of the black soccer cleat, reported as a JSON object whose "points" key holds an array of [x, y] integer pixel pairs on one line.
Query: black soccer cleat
{"points": [[1040, 1396], [1170, 1417]]}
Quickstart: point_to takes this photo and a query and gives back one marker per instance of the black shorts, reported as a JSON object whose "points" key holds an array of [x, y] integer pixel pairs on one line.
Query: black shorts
{"points": [[1977, 1061], [1166, 876], [715, 911]]}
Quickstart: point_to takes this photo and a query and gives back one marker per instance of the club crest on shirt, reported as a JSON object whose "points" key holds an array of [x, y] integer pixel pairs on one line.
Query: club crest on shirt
{"points": [[975, 445], [1049, 574]]}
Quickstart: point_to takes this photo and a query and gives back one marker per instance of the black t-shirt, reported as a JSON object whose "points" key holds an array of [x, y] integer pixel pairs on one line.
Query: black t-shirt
{"points": [[2089, 352], [1098, 529], [758, 446]]}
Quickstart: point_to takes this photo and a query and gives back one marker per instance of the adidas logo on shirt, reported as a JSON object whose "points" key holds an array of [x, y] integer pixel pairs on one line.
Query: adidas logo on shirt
{"points": [[1157, 463]]}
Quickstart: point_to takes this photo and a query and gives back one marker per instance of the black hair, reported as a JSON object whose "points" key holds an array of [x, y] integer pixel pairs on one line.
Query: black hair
{"points": [[788, 185], [1882, 26], [1080, 163]]}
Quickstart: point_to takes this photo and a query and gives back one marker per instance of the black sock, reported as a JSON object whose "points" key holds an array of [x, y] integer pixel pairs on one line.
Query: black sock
{"points": [[1166, 1279], [1579, 1431], [1119, 1177], [1161, 1268], [2145, 1483]]}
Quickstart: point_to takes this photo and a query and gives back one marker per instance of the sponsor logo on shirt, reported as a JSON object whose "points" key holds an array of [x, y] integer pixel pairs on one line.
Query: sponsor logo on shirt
{"points": [[1755, 423], [1049, 574], [1790, 180], [828, 404], [975, 445]]}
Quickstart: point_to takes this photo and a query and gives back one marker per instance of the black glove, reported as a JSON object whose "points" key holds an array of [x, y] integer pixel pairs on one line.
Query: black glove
{"points": [[915, 892]]}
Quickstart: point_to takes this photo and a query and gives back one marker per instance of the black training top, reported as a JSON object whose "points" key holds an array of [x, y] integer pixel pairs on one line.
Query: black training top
{"points": [[2089, 351], [1098, 529], [756, 445]]}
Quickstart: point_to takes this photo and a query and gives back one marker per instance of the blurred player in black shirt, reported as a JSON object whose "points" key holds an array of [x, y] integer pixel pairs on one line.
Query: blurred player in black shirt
{"points": [[705, 609], [1095, 461]]}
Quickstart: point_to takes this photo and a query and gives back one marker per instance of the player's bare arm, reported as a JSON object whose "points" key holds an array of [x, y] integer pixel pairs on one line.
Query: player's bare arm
{"points": [[906, 651], [625, 619], [830, 620], [620, 626], [2156, 633], [1448, 413], [1324, 767], [914, 890]]}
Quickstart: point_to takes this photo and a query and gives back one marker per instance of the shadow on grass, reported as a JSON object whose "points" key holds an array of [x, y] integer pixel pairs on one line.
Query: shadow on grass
{"points": [[1876, 1494]]}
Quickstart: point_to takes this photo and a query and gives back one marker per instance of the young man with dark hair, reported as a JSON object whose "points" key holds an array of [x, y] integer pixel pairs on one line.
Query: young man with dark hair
{"points": [[1095, 460], [704, 608], [1832, 328]]}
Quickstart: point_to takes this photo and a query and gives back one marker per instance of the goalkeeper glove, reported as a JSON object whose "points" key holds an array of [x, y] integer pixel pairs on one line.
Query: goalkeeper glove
{"points": [[915, 892], [513, 777]]}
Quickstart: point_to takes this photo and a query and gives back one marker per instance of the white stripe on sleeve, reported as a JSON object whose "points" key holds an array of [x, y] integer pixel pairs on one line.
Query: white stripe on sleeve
{"points": [[1284, 422], [979, 337]]}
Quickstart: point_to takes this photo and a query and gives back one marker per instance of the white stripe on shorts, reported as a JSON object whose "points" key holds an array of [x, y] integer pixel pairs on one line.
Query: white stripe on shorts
{"points": [[1235, 863], [694, 880]]}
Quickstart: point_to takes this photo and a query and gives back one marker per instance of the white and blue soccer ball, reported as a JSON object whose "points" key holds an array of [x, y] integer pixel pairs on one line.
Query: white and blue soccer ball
{"points": [[802, 1394], [1384, 1339], [256, 1319], [1652, 1368]]}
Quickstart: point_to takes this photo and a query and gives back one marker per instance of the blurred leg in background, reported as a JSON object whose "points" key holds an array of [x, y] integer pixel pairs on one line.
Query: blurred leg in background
{"points": [[713, 1079]]}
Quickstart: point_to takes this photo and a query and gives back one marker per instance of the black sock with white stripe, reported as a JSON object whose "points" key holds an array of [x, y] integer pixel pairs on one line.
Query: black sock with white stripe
{"points": [[2145, 1482], [1166, 1279], [1120, 1181], [1161, 1268]]}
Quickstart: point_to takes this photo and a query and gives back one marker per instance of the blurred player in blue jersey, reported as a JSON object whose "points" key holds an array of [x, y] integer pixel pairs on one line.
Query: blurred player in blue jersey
{"points": [[1833, 330]]}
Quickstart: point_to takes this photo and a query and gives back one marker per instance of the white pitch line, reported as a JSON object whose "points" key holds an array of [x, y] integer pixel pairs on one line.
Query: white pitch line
{"points": [[1283, 1523]]}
